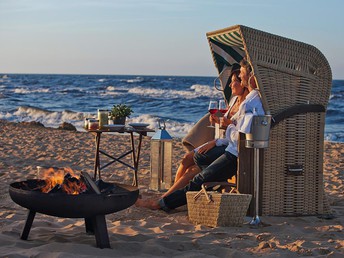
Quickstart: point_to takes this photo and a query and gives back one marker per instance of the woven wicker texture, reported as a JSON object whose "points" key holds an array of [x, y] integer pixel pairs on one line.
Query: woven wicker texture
{"points": [[295, 141], [288, 73], [225, 210]]}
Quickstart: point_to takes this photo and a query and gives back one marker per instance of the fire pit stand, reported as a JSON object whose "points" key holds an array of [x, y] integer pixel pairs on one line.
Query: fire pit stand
{"points": [[97, 226], [94, 226], [92, 207]]}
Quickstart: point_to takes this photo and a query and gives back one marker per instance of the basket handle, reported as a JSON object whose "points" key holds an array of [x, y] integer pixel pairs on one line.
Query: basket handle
{"points": [[203, 190], [217, 185], [206, 194]]}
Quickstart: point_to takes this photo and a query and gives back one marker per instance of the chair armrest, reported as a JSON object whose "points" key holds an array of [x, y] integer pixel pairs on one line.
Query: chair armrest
{"points": [[295, 110]]}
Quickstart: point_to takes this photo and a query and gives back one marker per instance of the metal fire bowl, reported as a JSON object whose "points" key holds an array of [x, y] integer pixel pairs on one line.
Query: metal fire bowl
{"points": [[74, 206]]}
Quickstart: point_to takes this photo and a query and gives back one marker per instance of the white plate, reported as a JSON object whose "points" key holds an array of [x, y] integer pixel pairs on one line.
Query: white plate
{"points": [[138, 124]]}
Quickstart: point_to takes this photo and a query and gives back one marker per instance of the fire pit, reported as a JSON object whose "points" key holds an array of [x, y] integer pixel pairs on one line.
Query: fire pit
{"points": [[89, 205]]}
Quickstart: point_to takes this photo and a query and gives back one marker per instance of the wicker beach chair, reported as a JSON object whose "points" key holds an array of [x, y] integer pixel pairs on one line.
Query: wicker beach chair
{"points": [[294, 80]]}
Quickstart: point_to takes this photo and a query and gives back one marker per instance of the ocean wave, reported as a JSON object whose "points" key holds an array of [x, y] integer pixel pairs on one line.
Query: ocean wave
{"points": [[336, 96], [28, 91], [46, 117], [110, 88], [135, 80], [174, 128], [195, 91], [54, 118], [334, 137], [113, 90]]}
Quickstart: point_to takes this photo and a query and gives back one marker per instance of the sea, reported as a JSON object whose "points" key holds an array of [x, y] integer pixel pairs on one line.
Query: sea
{"points": [[176, 101]]}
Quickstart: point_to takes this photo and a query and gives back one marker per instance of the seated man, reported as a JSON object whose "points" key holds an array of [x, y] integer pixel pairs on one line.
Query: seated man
{"points": [[225, 166]]}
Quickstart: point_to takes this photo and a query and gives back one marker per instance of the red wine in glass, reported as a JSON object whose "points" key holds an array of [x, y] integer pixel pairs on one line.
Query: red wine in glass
{"points": [[213, 108], [222, 106], [212, 111]]}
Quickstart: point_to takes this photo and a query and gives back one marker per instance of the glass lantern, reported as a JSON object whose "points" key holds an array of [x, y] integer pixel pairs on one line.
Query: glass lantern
{"points": [[161, 160]]}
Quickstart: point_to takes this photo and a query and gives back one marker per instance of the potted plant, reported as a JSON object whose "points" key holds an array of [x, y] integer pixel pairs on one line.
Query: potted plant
{"points": [[120, 112]]}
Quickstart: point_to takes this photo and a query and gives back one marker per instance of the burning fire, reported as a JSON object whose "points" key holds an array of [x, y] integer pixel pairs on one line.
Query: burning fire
{"points": [[64, 180]]}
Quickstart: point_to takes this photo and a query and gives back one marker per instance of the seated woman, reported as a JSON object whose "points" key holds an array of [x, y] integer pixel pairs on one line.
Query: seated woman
{"points": [[187, 168]]}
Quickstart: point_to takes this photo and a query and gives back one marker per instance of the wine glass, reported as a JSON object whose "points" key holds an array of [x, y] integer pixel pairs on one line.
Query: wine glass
{"points": [[213, 107], [222, 106]]}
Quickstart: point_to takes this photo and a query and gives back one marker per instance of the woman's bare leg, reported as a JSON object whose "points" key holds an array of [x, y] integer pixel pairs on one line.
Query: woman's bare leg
{"points": [[148, 203], [186, 162], [184, 179]]}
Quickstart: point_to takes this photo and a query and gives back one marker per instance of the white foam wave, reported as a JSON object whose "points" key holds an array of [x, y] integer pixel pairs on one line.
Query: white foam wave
{"points": [[55, 118], [174, 128], [4, 78], [194, 92], [334, 137], [6, 115], [113, 90], [26, 90], [48, 118], [137, 79], [110, 88]]}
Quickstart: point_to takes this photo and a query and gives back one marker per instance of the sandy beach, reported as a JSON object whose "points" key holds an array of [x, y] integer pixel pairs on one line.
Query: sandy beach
{"points": [[140, 232]]}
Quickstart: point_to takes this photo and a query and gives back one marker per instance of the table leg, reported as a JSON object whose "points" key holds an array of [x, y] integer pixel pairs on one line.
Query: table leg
{"points": [[96, 159], [138, 152], [135, 183]]}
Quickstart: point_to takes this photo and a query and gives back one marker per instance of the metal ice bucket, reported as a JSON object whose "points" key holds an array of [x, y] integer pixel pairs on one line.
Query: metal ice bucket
{"points": [[260, 131]]}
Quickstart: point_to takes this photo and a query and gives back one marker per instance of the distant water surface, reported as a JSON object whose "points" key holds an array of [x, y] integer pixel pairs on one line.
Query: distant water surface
{"points": [[179, 100]]}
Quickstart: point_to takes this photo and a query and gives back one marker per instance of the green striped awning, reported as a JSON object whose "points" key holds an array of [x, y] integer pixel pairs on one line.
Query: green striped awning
{"points": [[227, 49], [231, 39]]}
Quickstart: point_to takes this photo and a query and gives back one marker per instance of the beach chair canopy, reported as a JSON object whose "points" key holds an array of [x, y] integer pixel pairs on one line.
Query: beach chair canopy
{"points": [[280, 64]]}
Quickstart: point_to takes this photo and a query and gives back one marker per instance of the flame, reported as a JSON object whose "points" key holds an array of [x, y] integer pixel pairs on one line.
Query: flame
{"points": [[54, 177]]}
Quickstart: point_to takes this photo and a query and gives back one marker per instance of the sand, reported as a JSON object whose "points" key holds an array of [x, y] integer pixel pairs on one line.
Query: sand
{"points": [[141, 232]]}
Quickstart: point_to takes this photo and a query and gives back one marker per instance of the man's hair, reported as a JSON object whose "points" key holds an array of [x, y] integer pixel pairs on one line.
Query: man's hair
{"points": [[246, 64]]}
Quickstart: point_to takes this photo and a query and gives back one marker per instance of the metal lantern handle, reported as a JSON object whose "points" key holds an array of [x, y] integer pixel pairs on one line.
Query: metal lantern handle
{"points": [[160, 126]]}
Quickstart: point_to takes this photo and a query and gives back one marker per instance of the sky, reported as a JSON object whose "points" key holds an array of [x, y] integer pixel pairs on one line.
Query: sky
{"points": [[152, 37]]}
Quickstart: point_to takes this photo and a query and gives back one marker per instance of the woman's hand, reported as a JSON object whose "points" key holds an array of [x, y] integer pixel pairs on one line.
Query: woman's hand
{"points": [[214, 119], [206, 147]]}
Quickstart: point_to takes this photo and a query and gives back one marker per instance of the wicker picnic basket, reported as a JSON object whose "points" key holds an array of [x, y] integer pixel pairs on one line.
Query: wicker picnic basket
{"points": [[214, 209]]}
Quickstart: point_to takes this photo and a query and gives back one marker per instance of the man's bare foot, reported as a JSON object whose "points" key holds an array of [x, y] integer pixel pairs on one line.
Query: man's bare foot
{"points": [[148, 203]]}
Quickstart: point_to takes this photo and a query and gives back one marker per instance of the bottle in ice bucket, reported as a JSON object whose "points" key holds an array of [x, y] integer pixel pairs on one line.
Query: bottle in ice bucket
{"points": [[103, 117]]}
